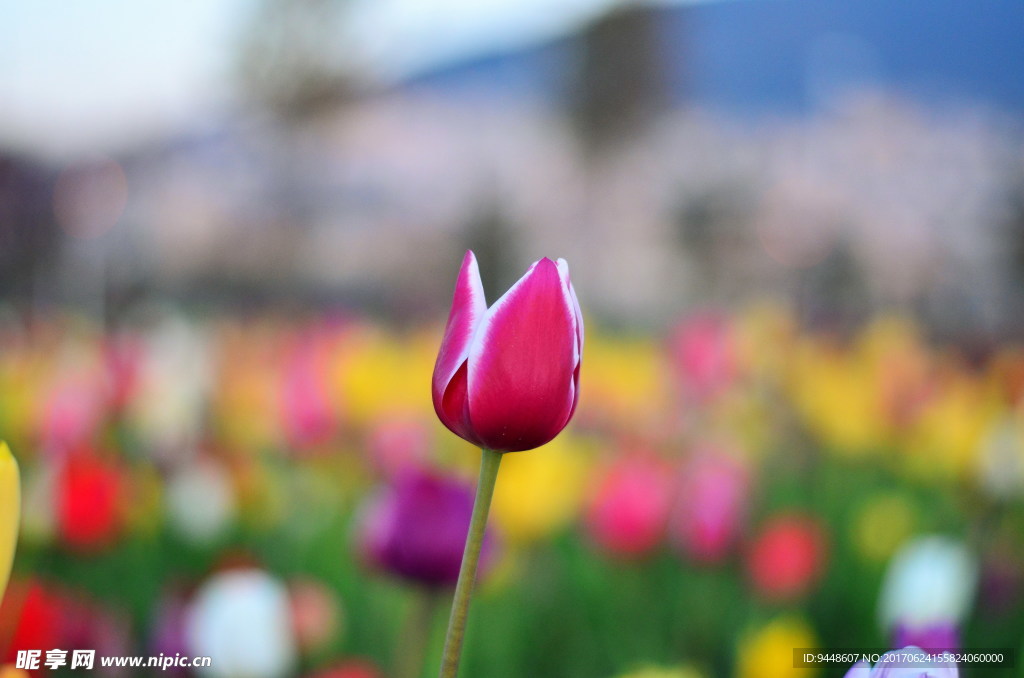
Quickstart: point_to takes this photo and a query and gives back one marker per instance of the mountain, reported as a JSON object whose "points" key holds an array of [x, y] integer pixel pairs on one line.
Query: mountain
{"points": [[788, 56]]}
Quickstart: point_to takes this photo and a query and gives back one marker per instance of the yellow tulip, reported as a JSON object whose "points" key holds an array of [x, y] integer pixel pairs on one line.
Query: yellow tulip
{"points": [[768, 652], [10, 511], [538, 494], [882, 524], [623, 376]]}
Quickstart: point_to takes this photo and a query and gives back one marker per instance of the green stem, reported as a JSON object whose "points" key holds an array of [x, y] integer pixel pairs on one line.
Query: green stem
{"points": [[416, 634], [467, 573]]}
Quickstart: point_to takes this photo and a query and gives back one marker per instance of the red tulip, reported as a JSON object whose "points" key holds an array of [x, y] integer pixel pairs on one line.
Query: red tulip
{"points": [[88, 502], [788, 557], [507, 377], [33, 619]]}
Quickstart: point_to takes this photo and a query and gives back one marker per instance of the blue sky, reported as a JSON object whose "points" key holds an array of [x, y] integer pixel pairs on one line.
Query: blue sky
{"points": [[86, 75]]}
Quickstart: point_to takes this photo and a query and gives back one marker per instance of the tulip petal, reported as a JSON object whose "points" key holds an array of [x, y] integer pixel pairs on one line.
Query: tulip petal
{"points": [[522, 362], [563, 272], [468, 310]]}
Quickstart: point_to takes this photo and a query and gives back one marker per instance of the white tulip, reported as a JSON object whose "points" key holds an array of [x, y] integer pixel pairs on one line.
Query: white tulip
{"points": [[241, 620], [930, 580]]}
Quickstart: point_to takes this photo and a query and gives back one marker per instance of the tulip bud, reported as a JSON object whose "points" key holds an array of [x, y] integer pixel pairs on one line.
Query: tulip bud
{"points": [[507, 377], [10, 510]]}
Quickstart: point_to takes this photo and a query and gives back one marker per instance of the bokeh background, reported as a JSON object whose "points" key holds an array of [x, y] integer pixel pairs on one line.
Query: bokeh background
{"points": [[228, 237]]}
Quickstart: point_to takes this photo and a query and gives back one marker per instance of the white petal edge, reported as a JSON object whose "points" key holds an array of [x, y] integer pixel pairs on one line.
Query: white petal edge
{"points": [[478, 311], [574, 305]]}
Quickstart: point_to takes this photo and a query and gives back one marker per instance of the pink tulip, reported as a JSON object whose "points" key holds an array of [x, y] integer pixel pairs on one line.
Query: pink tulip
{"points": [[631, 506], [705, 356], [306, 410], [712, 505], [507, 377]]}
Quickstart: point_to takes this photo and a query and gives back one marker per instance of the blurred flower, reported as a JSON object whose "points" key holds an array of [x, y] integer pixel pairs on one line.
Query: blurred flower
{"points": [[891, 665], [945, 439], [38, 614], [1001, 457], [891, 351], [73, 409], [538, 494], [938, 637], [396, 444], [376, 375], [88, 502], [122, 357], [39, 505], [8, 671], [168, 630], [1002, 581], [768, 651], [200, 501], [507, 377], [416, 528], [662, 672], [87, 624], [704, 353], [836, 395], [764, 335], [316, 617], [625, 375], [307, 413], [788, 556], [710, 506], [630, 505], [173, 384], [242, 618], [881, 524], [248, 386], [930, 582], [143, 500], [10, 512], [351, 668], [261, 493]]}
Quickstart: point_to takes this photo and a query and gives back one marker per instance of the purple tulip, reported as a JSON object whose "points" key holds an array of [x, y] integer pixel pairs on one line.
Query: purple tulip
{"points": [[416, 528], [901, 664], [934, 637]]}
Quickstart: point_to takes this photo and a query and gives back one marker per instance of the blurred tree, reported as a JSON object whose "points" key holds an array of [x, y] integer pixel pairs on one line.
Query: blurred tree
{"points": [[29, 235], [620, 84], [496, 244], [1014, 234], [292, 58]]}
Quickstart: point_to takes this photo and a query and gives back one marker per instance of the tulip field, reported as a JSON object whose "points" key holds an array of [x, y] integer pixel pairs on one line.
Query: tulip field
{"points": [[275, 491]]}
